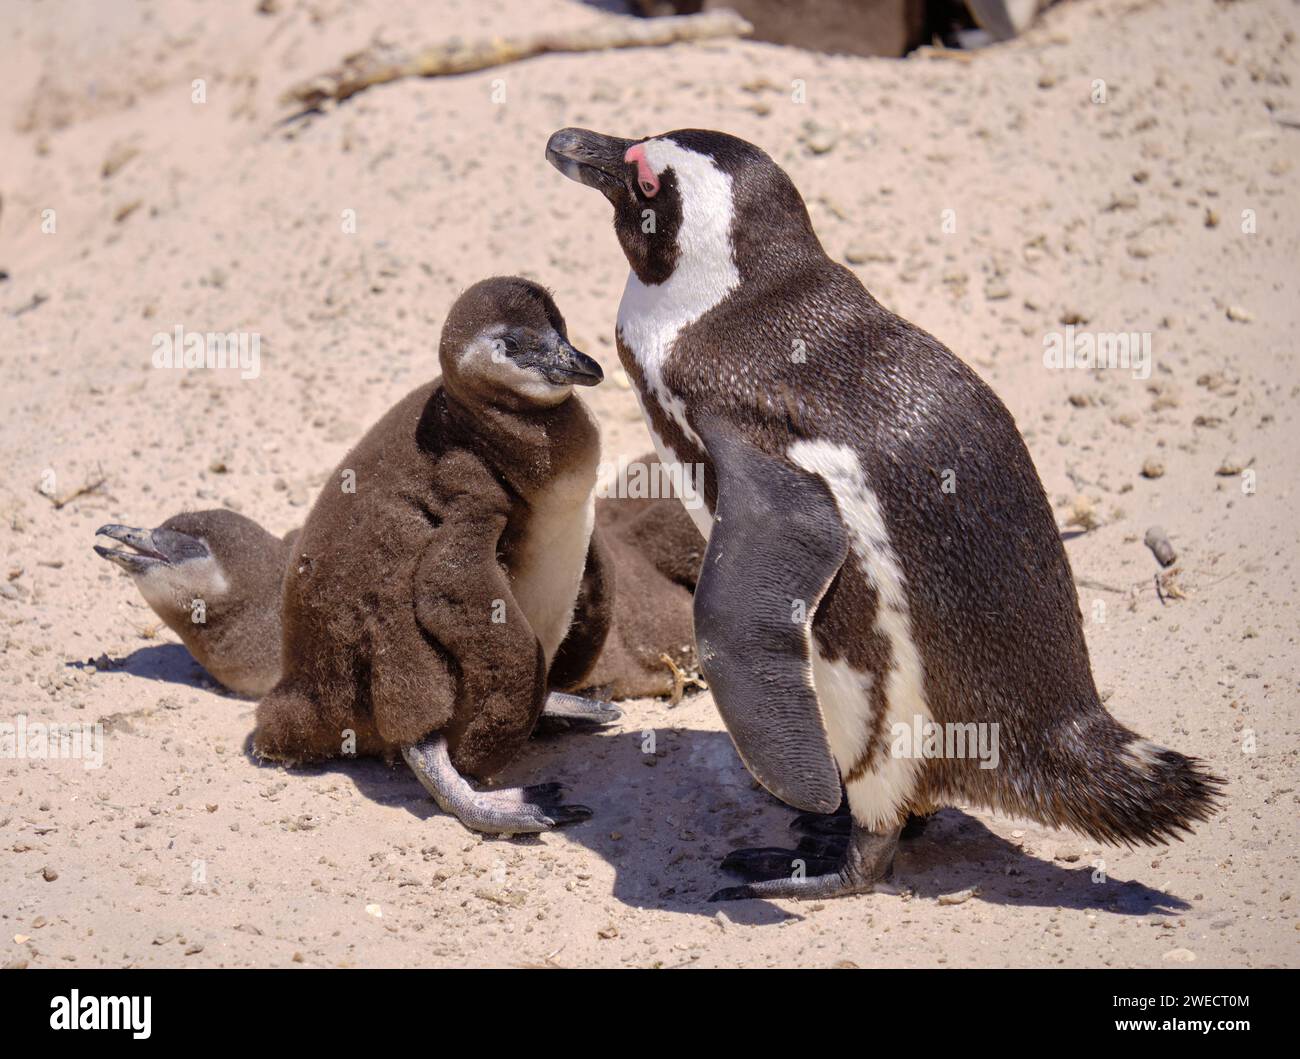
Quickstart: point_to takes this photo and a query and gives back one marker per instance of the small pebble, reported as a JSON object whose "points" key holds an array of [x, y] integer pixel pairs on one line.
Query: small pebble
{"points": [[1158, 541], [958, 898]]}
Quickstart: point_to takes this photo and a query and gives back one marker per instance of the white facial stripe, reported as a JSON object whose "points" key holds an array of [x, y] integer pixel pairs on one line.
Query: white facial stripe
{"points": [[878, 797], [167, 588], [651, 317], [482, 359], [705, 194]]}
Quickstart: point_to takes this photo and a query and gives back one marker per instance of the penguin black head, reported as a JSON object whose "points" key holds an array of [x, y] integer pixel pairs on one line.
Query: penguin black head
{"points": [[693, 200], [214, 577], [505, 343]]}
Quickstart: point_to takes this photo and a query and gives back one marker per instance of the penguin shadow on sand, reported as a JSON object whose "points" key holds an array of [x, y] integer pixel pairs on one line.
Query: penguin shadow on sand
{"points": [[957, 851], [948, 852], [170, 663], [666, 828], [663, 828]]}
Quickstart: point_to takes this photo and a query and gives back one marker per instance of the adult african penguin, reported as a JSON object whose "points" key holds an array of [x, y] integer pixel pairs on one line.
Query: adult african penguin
{"points": [[845, 595]]}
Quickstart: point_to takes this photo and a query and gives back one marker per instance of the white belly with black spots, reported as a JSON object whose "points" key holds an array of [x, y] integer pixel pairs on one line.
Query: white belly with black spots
{"points": [[551, 556], [878, 797]]}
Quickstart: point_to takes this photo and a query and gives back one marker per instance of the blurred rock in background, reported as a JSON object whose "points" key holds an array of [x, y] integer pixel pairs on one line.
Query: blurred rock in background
{"points": [[868, 27]]}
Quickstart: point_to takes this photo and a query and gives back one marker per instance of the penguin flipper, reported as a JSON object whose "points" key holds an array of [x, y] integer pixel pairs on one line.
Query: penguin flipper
{"points": [[776, 544], [468, 615]]}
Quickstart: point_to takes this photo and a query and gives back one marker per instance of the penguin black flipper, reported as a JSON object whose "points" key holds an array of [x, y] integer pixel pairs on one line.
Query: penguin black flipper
{"points": [[776, 544], [499, 699]]}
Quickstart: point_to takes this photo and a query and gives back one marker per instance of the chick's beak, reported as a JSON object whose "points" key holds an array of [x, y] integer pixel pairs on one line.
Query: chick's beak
{"points": [[566, 365], [149, 548]]}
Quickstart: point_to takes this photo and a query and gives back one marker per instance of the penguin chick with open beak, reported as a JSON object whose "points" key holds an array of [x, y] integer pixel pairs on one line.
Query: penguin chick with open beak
{"points": [[214, 578], [424, 605], [882, 561]]}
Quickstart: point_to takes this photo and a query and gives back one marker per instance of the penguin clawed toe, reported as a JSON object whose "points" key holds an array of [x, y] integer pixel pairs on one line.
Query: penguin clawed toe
{"points": [[822, 850], [506, 811], [564, 712], [818, 869]]}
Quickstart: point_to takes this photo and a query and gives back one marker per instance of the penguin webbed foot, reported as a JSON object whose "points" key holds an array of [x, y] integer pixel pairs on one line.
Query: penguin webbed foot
{"points": [[508, 811], [818, 856], [836, 824], [822, 866], [839, 824], [564, 712]]}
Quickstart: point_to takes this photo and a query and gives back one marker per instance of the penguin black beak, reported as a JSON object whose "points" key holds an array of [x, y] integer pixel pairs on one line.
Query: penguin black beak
{"points": [[150, 548], [590, 158], [566, 366]]}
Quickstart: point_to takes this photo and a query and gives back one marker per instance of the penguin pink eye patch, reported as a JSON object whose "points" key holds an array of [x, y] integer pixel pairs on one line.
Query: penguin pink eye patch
{"points": [[645, 176]]}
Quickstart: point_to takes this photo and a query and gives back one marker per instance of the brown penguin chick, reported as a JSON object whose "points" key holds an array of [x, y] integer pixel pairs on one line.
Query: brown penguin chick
{"points": [[238, 641], [655, 552], [427, 597], [649, 547], [214, 578]]}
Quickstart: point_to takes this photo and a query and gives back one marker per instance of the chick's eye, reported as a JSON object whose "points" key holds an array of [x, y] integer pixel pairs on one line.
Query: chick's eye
{"points": [[510, 344], [648, 189]]}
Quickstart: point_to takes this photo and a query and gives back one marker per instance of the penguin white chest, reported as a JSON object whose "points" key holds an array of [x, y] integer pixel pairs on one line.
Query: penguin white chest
{"points": [[668, 456], [551, 556], [650, 319]]}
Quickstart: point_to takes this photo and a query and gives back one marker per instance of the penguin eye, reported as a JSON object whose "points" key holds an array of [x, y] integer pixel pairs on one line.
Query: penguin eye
{"points": [[646, 178], [510, 344]]}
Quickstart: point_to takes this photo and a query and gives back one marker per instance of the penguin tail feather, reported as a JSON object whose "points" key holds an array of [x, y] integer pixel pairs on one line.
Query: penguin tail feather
{"points": [[1129, 791]]}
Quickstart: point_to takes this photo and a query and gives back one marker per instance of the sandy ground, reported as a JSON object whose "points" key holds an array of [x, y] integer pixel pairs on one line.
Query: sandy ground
{"points": [[1124, 216]]}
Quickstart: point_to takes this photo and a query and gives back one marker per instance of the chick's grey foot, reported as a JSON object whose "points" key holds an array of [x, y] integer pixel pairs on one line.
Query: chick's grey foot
{"points": [[509, 811], [563, 712], [808, 873]]}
